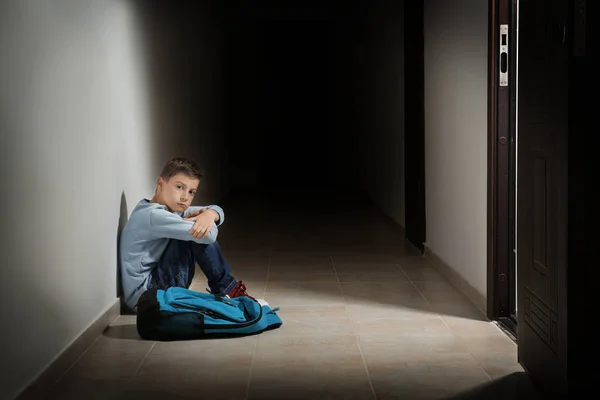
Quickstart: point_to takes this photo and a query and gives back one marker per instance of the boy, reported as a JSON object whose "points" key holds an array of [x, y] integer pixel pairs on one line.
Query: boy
{"points": [[165, 235]]}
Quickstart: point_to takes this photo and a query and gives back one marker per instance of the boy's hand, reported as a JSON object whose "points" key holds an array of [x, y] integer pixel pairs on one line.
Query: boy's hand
{"points": [[203, 223]]}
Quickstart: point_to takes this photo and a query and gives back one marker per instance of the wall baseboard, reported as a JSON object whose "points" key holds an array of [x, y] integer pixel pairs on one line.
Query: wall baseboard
{"points": [[456, 279], [61, 364]]}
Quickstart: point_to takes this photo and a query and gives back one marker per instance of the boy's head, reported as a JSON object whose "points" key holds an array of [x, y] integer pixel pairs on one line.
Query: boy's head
{"points": [[177, 184]]}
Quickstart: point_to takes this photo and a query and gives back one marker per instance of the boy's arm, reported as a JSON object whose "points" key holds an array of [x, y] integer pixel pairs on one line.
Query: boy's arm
{"points": [[165, 224], [194, 210]]}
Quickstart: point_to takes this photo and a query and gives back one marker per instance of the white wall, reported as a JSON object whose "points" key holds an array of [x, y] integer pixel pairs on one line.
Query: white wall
{"points": [[456, 35], [76, 132], [382, 142]]}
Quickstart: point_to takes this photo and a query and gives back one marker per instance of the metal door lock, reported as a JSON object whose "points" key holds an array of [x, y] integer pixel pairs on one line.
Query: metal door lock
{"points": [[504, 55]]}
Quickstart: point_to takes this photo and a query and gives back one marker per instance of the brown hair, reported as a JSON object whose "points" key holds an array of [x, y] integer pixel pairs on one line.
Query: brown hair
{"points": [[181, 165]]}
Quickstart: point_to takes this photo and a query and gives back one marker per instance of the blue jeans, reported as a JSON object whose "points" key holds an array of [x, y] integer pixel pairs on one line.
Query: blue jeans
{"points": [[177, 267]]}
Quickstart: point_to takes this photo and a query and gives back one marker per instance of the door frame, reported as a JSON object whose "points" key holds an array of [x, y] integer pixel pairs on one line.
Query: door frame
{"points": [[414, 120], [501, 182]]}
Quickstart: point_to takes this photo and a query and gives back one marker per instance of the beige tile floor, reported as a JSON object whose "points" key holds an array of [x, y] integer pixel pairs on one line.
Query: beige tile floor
{"points": [[365, 317]]}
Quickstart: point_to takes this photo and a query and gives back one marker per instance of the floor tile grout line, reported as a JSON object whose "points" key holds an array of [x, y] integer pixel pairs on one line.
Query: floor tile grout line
{"points": [[362, 357], [426, 300], [251, 370], [141, 363], [465, 348], [424, 297], [249, 383], [267, 279], [61, 377], [337, 278]]}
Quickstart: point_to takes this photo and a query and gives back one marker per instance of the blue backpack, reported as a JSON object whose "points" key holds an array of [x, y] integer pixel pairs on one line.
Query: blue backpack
{"points": [[182, 314]]}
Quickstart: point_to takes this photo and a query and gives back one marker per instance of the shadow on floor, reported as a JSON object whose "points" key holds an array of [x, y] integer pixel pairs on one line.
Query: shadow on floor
{"points": [[517, 385], [123, 332]]}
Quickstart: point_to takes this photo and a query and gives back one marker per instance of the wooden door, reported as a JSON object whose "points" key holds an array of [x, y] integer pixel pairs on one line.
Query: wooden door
{"points": [[542, 191]]}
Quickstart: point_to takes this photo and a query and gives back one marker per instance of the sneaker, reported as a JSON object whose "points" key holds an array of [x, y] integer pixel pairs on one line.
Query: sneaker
{"points": [[262, 302], [238, 291]]}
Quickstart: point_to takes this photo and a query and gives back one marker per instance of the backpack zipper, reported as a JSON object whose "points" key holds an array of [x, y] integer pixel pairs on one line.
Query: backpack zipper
{"points": [[239, 325], [212, 314]]}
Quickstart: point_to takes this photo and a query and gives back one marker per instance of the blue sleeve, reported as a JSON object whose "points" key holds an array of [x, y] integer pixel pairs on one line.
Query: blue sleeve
{"points": [[165, 224], [218, 209]]}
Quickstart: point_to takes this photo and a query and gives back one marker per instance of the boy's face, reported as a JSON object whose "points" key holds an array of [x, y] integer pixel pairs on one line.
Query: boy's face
{"points": [[178, 192]]}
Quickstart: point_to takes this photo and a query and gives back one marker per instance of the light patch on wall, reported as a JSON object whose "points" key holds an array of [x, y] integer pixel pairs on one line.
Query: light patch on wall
{"points": [[456, 135], [130, 101]]}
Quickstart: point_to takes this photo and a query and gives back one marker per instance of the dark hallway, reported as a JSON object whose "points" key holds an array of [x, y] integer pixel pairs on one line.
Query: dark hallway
{"points": [[297, 103], [300, 122]]}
